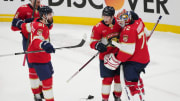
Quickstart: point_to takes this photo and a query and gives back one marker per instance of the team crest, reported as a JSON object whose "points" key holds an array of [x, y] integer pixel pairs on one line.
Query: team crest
{"points": [[39, 32], [125, 38], [111, 26]]}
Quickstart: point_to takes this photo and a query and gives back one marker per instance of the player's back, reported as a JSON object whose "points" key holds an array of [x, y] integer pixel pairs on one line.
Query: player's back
{"points": [[133, 46], [141, 53]]}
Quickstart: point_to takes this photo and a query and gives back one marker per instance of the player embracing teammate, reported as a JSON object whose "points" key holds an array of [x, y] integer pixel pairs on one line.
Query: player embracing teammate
{"points": [[105, 30], [132, 53]]}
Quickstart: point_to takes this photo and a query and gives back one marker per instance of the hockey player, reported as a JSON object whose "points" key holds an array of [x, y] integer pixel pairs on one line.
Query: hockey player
{"points": [[42, 70], [133, 52], [105, 30], [24, 13], [135, 17]]}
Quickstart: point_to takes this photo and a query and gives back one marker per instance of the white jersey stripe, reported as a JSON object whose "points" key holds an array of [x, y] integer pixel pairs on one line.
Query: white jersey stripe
{"points": [[125, 47]]}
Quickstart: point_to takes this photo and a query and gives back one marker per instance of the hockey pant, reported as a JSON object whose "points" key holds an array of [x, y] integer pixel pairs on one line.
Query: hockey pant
{"points": [[44, 86], [106, 87]]}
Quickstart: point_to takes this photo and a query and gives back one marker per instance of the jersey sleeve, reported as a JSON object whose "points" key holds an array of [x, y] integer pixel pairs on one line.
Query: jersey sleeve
{"points": [[26, 29], [147, 33], [19, 14], [95, 36], [126, 46]]}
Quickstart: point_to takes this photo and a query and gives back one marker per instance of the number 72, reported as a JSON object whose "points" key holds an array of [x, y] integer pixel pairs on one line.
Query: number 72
{"points": [[142, 35]]}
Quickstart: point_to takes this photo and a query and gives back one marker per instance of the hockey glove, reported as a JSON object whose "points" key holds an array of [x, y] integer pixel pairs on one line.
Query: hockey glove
{"points": [[28, 20], [17, 22], [48, 47], [100, 47], [111, 62]]}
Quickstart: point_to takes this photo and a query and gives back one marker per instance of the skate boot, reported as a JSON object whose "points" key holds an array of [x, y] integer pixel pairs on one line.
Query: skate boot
{"points": [[38, 97], [35, 99], [116, 98], [42, 95]]}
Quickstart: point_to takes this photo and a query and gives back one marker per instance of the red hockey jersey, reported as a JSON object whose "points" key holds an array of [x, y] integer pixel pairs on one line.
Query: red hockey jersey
{"points": [[102, 32], [133, 43], [24, 12], [39, 33]]}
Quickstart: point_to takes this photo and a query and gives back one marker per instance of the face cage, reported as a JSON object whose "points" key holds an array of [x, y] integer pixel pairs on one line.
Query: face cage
{"points": [[126, 18], [47, 16]]}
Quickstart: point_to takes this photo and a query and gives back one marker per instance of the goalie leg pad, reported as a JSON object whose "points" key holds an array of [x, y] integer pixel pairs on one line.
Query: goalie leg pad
{"points": [[141, 85], [134, 89]]}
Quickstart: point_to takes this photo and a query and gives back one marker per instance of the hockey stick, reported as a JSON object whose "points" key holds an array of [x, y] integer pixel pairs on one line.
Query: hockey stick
{"points": [[29, 35], [123, 85], [155, 25], [74, 46], [82, 67]]}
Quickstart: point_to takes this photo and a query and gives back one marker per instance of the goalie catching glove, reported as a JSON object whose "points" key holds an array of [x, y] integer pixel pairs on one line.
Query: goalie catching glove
{"points": [[111, 62]]}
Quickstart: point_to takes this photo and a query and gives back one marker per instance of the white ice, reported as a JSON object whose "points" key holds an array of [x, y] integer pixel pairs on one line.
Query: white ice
{"points": [[161, 80]]}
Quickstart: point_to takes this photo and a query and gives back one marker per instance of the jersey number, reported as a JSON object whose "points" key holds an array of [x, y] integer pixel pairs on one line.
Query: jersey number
{"points": [[142, 35]]}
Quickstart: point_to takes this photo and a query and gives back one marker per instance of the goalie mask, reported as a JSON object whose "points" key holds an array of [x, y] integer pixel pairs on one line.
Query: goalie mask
{"points": [[124, 19]]}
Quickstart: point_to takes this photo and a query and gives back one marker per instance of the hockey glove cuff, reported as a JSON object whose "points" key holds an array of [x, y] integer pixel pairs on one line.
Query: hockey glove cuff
{"points": [[111, 62], [17, 22], [48, 47]]}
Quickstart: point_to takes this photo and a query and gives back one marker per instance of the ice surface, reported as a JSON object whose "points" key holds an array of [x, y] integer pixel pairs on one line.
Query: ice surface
{"points": [[161, 80]]}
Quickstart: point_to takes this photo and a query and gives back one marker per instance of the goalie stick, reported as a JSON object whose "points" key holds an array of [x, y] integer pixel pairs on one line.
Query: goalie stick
{"points": [[123, 85], [26, 52]]}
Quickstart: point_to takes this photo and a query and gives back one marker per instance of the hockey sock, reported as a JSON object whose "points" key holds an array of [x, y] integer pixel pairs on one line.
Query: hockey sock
{"points": [[117, 86], [106, 87], [47, 89], [36, 85]]}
